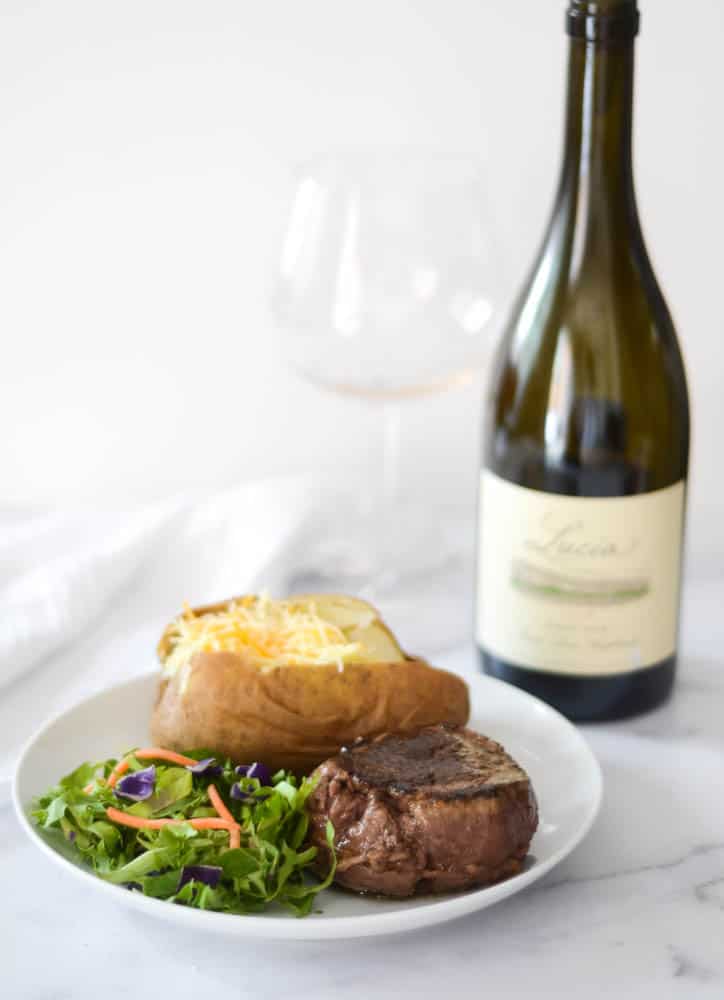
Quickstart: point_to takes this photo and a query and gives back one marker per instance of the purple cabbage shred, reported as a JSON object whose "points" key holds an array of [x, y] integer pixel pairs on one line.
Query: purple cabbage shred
{"points": [[238, 793], [208, 874], [208, 768], [138, 785], [255, 770]]}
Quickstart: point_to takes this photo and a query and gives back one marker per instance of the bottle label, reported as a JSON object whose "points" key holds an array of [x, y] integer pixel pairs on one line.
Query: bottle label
{"points": [[578, 585]]}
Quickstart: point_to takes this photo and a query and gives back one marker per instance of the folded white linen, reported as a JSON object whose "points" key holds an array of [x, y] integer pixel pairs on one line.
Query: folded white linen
{"points": [[83, 596]]}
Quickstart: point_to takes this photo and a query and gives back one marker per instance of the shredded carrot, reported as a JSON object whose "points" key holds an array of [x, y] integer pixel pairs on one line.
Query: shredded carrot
{"points": [[158, 753], [224, 821], [218, 803], [138, 822], [120, 768], [150, 753], [209, 823], [143, 823]]}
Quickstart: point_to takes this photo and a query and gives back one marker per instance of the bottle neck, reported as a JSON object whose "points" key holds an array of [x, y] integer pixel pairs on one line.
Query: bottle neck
{"points": [[597, 167]]}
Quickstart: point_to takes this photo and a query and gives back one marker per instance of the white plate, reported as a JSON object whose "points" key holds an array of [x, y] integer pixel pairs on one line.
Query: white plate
{"points": [[565, 775]]}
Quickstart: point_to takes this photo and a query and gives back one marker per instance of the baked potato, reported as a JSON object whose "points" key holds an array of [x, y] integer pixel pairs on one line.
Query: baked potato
{"points": [[290, 682]]}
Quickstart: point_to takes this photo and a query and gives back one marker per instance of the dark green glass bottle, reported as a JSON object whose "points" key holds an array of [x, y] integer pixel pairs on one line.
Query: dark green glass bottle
{"points": [[587, 431]]}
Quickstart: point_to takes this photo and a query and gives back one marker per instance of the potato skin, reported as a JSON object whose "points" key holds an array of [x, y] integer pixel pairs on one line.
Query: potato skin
{"points": [[297, 717]]}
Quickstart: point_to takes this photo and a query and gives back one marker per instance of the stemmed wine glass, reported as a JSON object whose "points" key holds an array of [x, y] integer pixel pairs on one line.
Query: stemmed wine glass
{"points": [[388, 288]]}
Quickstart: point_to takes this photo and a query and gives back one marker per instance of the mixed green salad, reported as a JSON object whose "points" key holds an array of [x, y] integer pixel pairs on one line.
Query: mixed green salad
{"points": [[190, 828]]}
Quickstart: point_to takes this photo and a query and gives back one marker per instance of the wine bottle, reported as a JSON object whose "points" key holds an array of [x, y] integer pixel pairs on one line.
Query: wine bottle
{"points": [[587, 431]]}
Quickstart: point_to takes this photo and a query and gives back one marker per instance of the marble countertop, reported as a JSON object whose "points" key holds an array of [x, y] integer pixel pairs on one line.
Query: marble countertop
{"points": [[636, 911]]}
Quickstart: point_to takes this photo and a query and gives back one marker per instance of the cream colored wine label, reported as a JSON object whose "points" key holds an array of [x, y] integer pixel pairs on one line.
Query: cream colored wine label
{"points": [[578, 585]]}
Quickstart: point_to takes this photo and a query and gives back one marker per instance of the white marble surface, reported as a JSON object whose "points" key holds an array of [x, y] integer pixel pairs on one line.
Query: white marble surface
{"points": [[636, 911]]}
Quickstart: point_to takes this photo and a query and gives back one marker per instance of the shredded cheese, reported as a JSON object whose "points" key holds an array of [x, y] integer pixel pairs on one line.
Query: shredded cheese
{"points": [[273, 633]]}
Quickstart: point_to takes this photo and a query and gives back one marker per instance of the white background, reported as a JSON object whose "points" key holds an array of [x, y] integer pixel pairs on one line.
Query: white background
{"points": [[145, 177]]}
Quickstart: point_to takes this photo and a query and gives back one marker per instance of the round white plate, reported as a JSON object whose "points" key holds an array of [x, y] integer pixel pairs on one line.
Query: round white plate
{"points": [[565, 775]]}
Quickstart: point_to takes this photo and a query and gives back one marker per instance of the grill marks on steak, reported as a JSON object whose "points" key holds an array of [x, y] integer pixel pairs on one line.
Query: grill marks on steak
{"points": [[441, 810], [440, 762]]}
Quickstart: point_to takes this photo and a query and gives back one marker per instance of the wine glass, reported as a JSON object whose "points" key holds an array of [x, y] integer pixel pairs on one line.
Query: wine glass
{"points": [[388, 289]]}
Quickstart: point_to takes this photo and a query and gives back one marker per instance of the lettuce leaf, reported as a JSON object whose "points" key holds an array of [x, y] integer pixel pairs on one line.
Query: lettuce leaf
{"points": [[273, 866]]}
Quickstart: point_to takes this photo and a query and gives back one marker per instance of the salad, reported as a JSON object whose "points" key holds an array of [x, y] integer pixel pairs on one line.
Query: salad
{"points": [[190, 828]]}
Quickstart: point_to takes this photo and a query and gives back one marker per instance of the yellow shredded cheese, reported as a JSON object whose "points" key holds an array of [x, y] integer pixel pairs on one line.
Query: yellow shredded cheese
{"points": [[274, 633]]}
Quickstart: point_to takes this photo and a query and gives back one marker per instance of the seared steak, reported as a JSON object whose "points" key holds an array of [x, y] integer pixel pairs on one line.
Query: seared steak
{"points": [[441, 810]]}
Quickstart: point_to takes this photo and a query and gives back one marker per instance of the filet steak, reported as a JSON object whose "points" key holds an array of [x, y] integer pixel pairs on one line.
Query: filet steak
{"points": [[441, 810]]}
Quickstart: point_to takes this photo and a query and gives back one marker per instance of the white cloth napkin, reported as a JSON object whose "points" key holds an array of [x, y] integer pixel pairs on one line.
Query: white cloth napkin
{"points": [[83, 597]]}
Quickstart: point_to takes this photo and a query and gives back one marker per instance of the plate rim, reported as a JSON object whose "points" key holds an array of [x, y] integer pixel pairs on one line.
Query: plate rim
{"points": [[445, 909]]}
